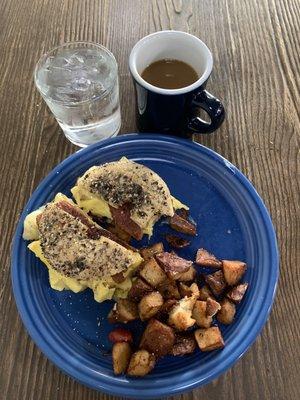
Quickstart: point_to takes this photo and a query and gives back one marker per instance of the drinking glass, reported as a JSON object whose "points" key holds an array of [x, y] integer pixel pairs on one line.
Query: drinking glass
{"points": [[79, 82]]}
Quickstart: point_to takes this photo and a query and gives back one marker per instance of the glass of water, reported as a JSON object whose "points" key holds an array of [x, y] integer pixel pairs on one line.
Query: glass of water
{"points": [[79, 82]]}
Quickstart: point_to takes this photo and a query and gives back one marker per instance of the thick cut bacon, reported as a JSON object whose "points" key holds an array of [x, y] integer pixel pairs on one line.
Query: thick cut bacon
{"points": [[122, 219], [94, 231], [177, 242], [180, 224]]}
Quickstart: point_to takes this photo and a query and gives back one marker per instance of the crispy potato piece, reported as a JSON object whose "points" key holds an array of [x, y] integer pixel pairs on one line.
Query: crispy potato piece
{"points": [[141, 363], [120, 335], [209, 339], [139, 289], [152, 273], [205, 293], [212, 307], [184, 290], [233, 271], [121, 353], [177, 242], [158, 338], [173, 265], [166, 308], [227, 312], [124, 310], [184, 344], [169, 290], [199, 314], [181, 314], [149, 252], [216, 282], [237, 293], [207, 259], [188, 291], [188, 276], [150, 305], [180, 224]]}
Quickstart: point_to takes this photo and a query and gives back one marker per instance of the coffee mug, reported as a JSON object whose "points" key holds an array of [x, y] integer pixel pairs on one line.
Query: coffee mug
{"points": [[174, 111]]}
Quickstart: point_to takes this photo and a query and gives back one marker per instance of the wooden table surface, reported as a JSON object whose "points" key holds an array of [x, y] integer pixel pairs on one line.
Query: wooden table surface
{"points": [[256, 49]]}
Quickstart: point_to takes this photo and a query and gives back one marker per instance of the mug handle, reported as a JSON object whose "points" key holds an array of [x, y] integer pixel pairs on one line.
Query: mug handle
{"points": [[214, 109]]}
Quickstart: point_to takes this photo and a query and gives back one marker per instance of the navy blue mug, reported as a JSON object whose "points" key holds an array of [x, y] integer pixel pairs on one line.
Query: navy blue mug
{"points": [[174, 111]]}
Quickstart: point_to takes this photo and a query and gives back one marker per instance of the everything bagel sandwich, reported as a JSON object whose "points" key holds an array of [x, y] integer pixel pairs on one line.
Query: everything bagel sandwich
{"points": [[130, 194], [78, 252]]}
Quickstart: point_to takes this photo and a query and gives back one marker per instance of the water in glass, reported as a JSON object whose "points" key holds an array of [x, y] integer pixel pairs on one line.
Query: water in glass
{"points": [[79, 82]]}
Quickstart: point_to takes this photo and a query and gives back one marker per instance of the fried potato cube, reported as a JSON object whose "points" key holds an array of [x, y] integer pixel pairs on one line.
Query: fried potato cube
{"points": [[173, 265], [121, 353], [227, 312], [139, 289], [169, 290], [205, 293], [141, 363], [233, 271], [209, 339], [188, 291], [166, 308], [158, 338], [124, 310], [216, 282], [150, 305], [207, 259], [152, 273], [184, 344], [184, 290], [237, 293], [149, 252], [199, 314], [188, 276], [181, 314], [212, 307]]}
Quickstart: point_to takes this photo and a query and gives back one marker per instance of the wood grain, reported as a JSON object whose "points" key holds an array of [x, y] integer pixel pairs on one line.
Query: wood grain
{"points": [[256, 50]]}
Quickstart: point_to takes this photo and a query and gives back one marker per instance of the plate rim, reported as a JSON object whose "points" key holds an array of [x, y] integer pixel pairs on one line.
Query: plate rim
{"points": [[270, 232]]}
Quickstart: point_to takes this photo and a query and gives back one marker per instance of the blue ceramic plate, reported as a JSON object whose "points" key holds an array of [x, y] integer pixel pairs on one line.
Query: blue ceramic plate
{"points": [[71, 329]]}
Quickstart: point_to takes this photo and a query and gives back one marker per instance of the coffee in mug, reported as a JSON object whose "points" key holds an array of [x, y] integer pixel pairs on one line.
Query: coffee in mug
{"points": [[171, 104], [170, 74]]}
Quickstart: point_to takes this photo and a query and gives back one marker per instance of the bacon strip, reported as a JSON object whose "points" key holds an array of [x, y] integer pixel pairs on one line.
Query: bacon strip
{"points": [[122, 219], [180, 224], [94, 231], [177, 242]]}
